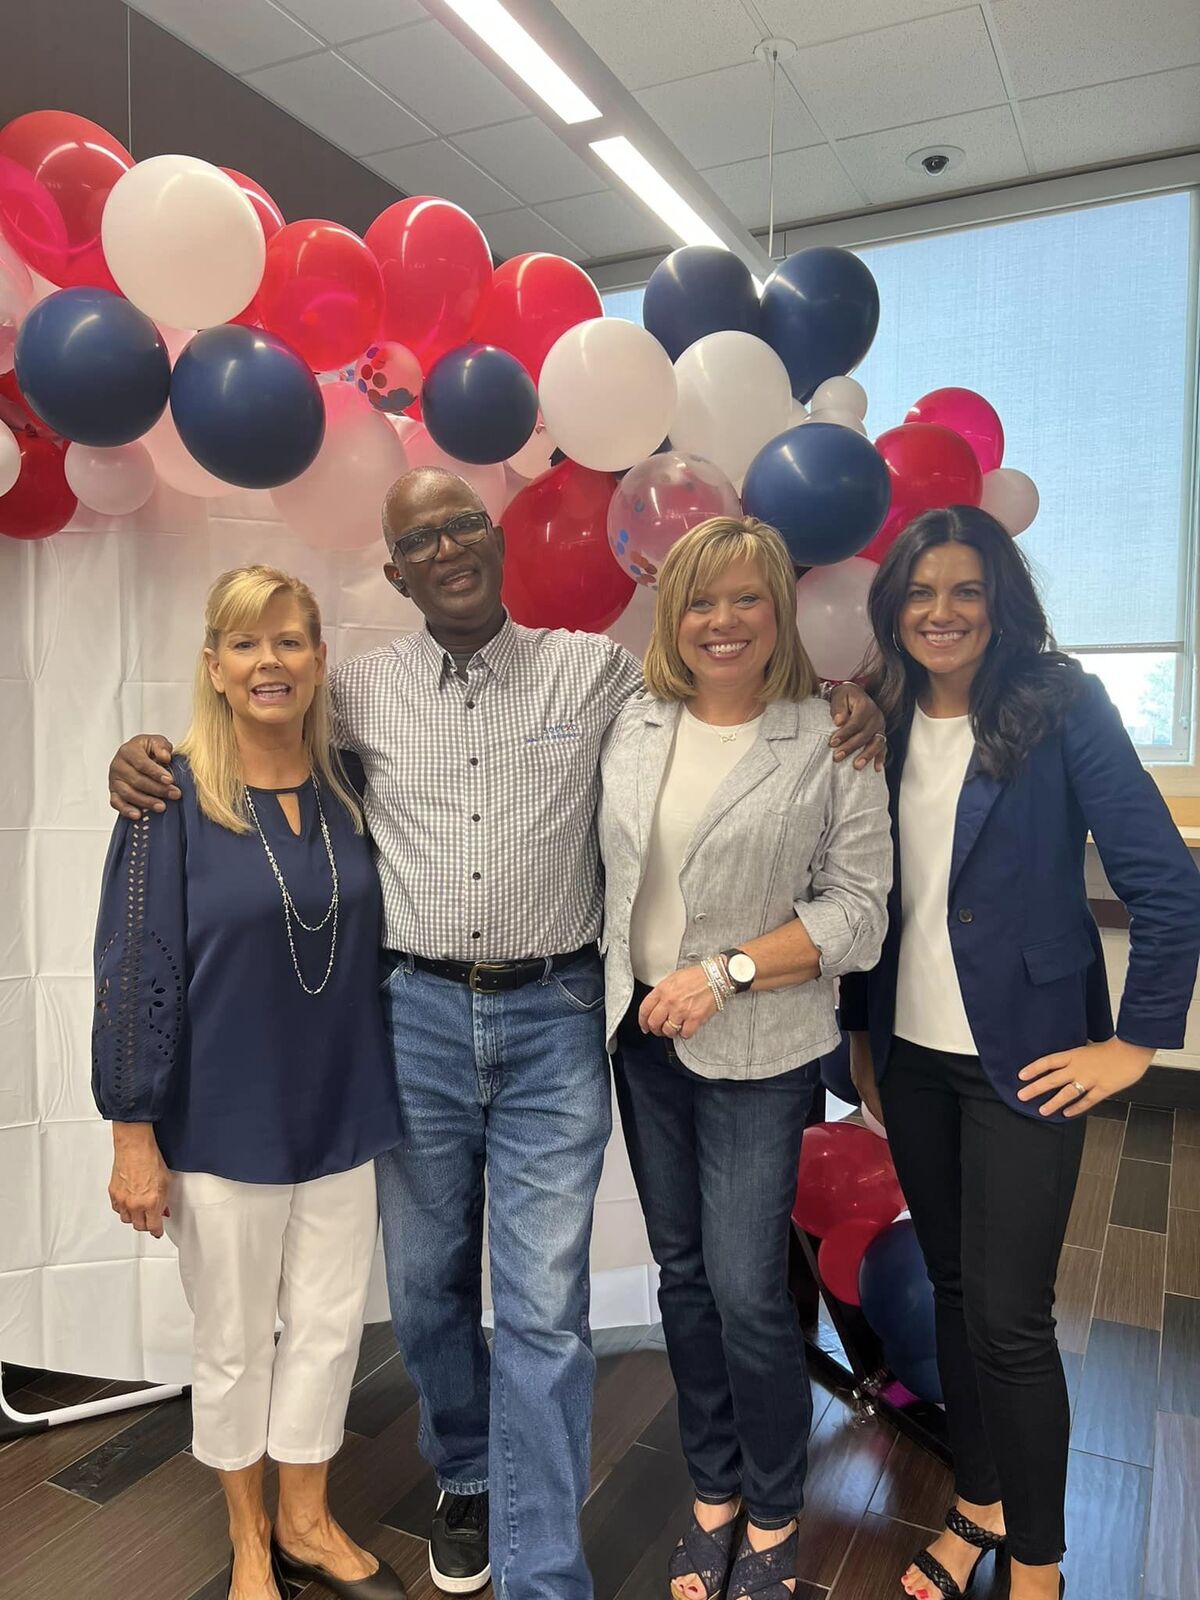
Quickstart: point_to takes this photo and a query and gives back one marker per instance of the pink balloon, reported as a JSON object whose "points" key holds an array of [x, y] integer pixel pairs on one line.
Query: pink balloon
{"points": [[1011, 497], [336, 502], [488, 482], [968, 414], [831, 614], [175, 464], [656, 503]]}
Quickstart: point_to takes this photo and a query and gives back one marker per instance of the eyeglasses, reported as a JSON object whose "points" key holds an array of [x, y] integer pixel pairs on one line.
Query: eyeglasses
{"points": [[422, 544]]}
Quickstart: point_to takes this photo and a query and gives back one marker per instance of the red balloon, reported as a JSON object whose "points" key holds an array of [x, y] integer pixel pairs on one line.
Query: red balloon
{"points": [[56, 172], [929, 466], [321, 292], [271, 218], [436, 272], [966, 413], [559, 571], [534, 300], [18, 414], [841, 1253], [846, 1175], [40, 502]]}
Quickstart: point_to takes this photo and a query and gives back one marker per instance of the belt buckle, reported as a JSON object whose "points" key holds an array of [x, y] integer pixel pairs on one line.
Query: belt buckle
{"points": [[478, 967]]}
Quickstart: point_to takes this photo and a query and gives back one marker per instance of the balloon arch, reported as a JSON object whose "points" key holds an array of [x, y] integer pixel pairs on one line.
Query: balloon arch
{"points": [[159, 319]]}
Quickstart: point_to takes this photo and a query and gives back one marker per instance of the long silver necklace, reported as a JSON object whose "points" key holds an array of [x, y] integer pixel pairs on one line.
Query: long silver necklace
{"points": [[290, 913]]}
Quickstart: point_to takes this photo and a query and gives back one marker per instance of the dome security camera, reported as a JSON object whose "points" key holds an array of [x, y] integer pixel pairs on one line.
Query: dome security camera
{"points": [[935, 163], [936, 160]]}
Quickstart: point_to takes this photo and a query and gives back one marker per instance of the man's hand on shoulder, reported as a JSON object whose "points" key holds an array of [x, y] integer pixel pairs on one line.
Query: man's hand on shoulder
{"points": [[860, 727], [139, 778]]}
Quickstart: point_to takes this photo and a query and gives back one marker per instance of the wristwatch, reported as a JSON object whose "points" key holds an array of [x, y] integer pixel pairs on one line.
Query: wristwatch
{"points": [[741, 969]]}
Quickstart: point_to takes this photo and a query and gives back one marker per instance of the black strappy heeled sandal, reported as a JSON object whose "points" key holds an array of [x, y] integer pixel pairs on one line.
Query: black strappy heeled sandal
{"points": [[760, 1574], [969, 1532], [707, 1556]]}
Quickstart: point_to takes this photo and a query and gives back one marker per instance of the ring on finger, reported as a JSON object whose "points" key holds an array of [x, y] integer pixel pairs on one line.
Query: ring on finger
{"points": [[671, 1027], [1079, 1088]]}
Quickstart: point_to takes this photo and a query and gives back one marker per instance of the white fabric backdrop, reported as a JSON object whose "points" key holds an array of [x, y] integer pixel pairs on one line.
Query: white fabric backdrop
{"points": [[99, 628]]}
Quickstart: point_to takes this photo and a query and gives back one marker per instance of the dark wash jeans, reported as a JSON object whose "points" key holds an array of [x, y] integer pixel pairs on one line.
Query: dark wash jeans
{"points": [[990, 1193], [715, 1163]]}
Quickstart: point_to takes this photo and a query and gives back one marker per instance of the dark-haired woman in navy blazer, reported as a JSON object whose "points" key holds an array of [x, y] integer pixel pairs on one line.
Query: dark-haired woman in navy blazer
{"points": [[985, 1030]]}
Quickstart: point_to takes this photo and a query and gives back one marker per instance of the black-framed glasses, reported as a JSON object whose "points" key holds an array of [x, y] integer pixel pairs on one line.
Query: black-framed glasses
{"points": [[422, 544]]}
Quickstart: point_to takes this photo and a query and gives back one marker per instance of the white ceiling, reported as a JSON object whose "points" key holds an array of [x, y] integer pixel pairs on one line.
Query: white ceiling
{"points": [[1023, 87]]}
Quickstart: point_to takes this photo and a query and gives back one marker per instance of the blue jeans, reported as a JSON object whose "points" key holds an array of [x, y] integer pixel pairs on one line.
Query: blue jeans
{"points": [[715, 1165], [519, 1083]]}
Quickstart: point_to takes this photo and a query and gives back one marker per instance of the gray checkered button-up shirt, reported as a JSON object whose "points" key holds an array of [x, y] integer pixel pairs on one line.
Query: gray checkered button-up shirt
{"points": [[481, 795]]}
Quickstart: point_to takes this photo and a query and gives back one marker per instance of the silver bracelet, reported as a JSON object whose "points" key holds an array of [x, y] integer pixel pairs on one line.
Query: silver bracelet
{"points": [[718, 980]]}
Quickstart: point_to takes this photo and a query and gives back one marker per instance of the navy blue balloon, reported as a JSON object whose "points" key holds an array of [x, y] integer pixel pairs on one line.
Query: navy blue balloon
{"points": [[698, 290], [479, 404], [93, 366], [897, 1300], [835, 1073], [824, 487], [247, 406], [921, 1377], [820, 310]]}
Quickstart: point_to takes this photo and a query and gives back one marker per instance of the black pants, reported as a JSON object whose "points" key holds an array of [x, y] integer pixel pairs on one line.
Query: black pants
{"points": [[715, 1166], [990, 1192]]}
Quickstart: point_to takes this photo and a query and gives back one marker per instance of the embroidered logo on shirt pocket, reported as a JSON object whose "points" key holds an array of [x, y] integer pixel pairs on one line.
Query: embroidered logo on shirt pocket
{"points": [[554, 733]]}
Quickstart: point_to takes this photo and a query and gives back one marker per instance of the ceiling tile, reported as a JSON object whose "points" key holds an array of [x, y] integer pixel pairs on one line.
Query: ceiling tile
{"points": [[911, 73], [607, 224], [725, 116], [654, 41], [512, 233], [334, 99], [988, 140], [338, 20], [437, 77], [815, 21], [439, 169], [531, 160], [808, 184], [1114, 121], [241, 36], [1064, 44]]}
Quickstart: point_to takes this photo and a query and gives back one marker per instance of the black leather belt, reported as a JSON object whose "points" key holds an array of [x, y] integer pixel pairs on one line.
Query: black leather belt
{"points": [[493, 977]]}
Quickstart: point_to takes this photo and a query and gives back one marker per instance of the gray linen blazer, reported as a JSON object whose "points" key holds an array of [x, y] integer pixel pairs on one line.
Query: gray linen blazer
{"points": [[790, 832]]}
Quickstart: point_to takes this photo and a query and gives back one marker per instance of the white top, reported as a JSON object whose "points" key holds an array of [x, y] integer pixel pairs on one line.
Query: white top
{"points": [[929, 1006], [702, 756]]}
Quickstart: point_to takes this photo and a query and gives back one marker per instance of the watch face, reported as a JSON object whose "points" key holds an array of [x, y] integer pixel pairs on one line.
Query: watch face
{"points": [[741, 968]]}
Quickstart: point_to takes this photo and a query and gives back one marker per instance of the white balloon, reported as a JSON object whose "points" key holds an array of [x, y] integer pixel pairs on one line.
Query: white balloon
{"points": [[115, 481], [831, 614], [182, 241], [175, 464], [10, 459], [533, 458], [488, 482], [799, 414], [176, 340], [840, 394], [734, 395], [336, 502], [840, 419], [1011, 497], [607, 393]]}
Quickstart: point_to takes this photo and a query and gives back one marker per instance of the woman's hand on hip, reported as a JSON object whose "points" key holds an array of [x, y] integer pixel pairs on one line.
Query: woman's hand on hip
{"points": [[678, 1005], [1082, 1078], [138, 1188]]}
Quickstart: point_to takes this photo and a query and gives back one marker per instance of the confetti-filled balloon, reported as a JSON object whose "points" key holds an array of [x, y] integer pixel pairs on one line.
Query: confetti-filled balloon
{"points": [[390, 377]]}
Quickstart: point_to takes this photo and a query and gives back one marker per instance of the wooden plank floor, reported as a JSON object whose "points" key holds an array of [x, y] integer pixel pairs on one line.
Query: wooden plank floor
{"points": [[116, 1509]]}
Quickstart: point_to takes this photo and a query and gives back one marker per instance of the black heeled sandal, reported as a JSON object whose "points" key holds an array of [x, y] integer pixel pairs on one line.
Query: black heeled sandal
{"points": [[705, 1555], [969, 1532], [760, 1574], [382, 1584]]}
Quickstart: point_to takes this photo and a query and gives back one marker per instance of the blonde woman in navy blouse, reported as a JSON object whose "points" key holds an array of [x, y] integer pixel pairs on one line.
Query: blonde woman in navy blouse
{"points": [[240, 1056]]}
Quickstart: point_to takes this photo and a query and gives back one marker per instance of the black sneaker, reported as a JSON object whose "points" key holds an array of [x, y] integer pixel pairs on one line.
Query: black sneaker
{"points": [[458, 1543]]}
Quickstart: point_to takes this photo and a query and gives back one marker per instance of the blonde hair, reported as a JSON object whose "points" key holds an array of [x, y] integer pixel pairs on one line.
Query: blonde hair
{"points": [[237, 601], [703, 554]]}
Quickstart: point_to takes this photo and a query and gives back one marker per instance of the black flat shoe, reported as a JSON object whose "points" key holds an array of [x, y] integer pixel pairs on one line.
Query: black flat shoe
{"points": [[281, 1583], [382, 1584], [928, 1565]]}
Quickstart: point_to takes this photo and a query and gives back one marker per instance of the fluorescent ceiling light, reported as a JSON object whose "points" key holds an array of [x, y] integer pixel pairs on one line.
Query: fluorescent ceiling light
{"points": [[520, 51], [631, 166]]}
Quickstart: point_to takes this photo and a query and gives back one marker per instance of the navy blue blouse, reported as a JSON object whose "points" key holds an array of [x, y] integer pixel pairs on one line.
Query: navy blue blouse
{"points": [[201, 1026]]}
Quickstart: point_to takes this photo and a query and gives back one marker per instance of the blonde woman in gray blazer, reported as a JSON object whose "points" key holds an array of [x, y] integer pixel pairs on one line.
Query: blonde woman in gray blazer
{"points": [[745, 871]]}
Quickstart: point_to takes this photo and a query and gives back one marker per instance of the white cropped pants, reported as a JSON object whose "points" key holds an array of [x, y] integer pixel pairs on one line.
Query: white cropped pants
{"points": [[252, 1252]]}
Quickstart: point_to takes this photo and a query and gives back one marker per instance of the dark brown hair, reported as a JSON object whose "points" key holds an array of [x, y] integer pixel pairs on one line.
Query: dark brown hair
{"points": [[1024, 683]]}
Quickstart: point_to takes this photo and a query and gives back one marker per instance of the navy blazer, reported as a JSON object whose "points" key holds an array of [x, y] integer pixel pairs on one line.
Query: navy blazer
{"points": [[1026, 948]]}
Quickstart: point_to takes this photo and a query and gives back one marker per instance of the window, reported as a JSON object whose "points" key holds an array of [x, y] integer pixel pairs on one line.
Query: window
{"points": [[626, 303], [1076, 327]]}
